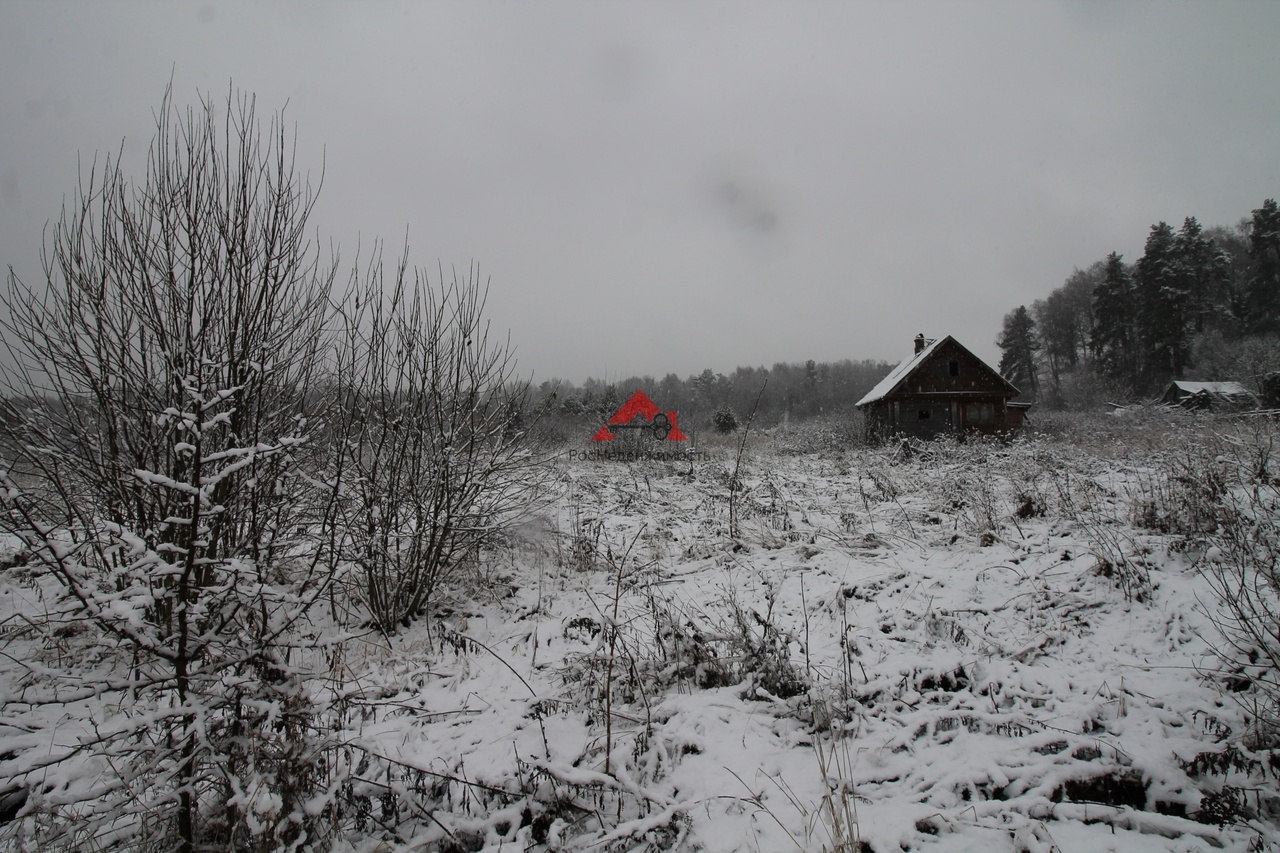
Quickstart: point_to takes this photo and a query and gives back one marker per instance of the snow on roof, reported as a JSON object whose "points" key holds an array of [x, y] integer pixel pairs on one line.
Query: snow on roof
{"points": [[886, 385], [1229, 389]]}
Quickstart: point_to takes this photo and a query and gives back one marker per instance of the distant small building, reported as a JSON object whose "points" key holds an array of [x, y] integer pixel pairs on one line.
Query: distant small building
{"points": [[1228, 396], [943, 389]]}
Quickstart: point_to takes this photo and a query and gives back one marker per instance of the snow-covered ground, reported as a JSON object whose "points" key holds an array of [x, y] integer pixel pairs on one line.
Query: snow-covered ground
{"points": [[1003, 647]]}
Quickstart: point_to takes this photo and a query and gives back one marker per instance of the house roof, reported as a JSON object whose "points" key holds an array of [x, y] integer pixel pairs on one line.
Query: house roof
{"points": [[885, 386], [899, 374]]}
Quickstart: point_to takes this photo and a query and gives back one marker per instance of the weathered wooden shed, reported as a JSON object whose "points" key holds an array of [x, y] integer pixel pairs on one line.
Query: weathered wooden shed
{"points": [[1223, 396], [942, 389]]}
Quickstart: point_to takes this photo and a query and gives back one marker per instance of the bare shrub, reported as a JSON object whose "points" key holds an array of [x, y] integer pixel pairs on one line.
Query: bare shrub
{"points": [[1226, 480], [1119, 557], [1244, 573], [1182, 491], [831, 433], [1031, 472], [433, 421], [1130, 432], [579, 548], [972, 491], [761, 651], [642, 643]]}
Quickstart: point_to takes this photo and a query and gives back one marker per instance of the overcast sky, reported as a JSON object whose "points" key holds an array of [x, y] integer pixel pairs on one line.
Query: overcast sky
{"points": [[657, 187]]}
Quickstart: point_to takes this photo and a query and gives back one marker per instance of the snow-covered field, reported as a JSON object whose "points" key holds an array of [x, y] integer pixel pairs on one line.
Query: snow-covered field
{"points": [[981, 646]]}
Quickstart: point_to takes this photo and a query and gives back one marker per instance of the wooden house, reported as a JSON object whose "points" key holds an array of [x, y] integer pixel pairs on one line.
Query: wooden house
{"points": [[942, 389]]}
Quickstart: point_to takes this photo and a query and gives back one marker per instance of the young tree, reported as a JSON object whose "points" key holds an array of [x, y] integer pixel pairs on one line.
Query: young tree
{"points": [[724, 420], [608, 402], [1018, 348], [159, 420]]}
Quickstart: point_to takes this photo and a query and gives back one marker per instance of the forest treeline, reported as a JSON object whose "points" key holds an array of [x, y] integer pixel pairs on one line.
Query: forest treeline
{"points": [[1201, 303], [718, 401]]}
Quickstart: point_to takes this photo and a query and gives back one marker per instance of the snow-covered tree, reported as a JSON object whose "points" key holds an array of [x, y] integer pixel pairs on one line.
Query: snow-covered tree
{"points": [[160, 417], [1203, 268]]}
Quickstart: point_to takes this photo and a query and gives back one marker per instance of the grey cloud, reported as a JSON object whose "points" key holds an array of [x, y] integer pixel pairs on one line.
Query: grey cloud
{"points": [[743, 182]]}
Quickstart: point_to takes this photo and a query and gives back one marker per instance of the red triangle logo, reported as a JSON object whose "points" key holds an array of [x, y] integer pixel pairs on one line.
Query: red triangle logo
{"points": [[637, 404], [675, 434]]}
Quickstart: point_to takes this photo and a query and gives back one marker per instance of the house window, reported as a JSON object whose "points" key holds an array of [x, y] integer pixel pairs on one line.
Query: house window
{"points": [[924, 414], [980, 413], [953, 368]]}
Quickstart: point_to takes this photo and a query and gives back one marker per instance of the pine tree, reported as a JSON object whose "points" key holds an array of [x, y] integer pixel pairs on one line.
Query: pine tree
{"points": [[1113, 314], [724, 420], [1018, 347], [1262, 291], [1164, 345], [1202, 267], [608, 402], [1231, 308]]}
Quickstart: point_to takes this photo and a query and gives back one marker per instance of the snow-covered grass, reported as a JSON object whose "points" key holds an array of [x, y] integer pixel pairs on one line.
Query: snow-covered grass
{"points": [[1005, 647]]}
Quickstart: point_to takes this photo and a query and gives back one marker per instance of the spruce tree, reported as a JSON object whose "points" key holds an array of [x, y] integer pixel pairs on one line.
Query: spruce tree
{"points": [[1202, 268], [1262, 292], [1113, 316], [1164, 345], [1018, 347], [724, 420]]}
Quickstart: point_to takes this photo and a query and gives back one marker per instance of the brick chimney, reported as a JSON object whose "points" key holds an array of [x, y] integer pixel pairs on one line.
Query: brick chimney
{"points": [[919, 343]]}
